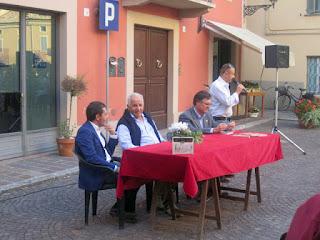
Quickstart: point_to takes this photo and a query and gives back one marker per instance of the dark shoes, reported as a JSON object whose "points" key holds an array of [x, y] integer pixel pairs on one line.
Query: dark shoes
{"points": [[129, 217]]}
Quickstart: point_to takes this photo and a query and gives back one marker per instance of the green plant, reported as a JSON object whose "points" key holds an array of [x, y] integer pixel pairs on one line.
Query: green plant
{"points": [[182, 130], [253, 110], [311, 118], [249, 85], [65, 130], [304, 106], [75, 86]]}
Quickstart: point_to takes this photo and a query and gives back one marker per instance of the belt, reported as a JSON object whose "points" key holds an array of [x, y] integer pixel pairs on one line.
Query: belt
{"points": [[222, 118]]}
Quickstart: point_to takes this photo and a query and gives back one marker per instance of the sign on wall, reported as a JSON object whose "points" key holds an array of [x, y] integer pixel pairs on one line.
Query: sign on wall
{"points": [[109, 15]]}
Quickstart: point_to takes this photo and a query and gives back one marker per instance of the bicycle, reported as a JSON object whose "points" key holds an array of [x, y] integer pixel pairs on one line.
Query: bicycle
{"points": [[286, 96]]}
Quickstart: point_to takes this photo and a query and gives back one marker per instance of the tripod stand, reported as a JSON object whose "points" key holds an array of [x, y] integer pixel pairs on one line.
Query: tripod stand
{"points": [[275, 128]]}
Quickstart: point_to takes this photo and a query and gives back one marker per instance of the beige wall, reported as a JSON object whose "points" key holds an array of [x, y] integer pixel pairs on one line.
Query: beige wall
{"points": [[67, 36], [286, 24]]}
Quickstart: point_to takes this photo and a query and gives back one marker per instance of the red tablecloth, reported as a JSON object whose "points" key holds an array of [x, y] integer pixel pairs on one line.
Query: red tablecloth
{"points": [[217, 155]]}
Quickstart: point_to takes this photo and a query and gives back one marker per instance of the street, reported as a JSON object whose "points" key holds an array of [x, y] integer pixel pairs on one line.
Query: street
{"points": [[55, 209]]}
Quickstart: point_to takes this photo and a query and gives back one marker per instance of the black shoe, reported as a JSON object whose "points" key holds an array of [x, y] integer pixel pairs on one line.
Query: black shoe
{"points": [[130, 217], [114, 212]]}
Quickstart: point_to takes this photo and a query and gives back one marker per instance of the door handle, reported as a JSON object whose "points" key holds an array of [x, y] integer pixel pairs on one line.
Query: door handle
{"points": [[138, 63], [159, 64]]}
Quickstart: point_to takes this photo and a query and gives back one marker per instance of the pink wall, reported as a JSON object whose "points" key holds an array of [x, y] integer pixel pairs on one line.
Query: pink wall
{"points": [[194, 49], [193, 52]]}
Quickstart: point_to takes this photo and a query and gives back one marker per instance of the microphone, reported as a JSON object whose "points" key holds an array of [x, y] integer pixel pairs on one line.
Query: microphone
{"points": [[237, 83]]}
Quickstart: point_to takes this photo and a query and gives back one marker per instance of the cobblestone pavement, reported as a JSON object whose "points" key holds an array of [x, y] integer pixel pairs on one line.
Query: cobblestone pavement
{"points": [[55, 209]]}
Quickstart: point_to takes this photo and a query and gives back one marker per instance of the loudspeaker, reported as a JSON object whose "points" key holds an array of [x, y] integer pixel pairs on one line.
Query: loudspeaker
{"points": [[277, 56]]}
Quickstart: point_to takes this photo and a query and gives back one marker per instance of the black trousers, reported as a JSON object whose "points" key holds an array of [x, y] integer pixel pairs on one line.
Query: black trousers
{"points": [[131, 196]]}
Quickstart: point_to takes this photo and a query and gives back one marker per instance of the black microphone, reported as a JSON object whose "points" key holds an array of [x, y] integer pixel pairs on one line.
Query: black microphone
{"points": [[237, 83]]}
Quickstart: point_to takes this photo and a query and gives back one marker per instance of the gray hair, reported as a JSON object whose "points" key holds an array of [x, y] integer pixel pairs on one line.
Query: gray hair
{"points": [[132, 95]]}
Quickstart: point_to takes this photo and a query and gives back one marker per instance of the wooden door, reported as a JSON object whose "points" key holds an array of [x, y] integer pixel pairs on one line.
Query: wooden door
{"points": [[151, 71]]}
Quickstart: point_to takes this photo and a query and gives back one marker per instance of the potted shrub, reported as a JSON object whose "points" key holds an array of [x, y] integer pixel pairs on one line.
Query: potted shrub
{"points": [[253, 111], [75, 86], [308, 113]]}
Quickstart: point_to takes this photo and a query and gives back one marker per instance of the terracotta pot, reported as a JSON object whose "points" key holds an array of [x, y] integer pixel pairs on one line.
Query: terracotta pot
{"points": [[65, 146], [301, 125]]}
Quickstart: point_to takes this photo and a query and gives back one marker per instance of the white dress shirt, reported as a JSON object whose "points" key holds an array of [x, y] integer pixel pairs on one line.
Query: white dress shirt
{"points": [[148, 135], [102, 140], [222, 101], [200, 118]]}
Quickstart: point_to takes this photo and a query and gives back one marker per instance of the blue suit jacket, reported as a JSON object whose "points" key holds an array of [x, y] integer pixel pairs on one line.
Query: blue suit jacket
{"points": [[88, 146]]}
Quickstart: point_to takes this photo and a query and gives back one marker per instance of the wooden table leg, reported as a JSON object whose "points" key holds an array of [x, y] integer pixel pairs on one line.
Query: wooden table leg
{"points": [[121, 212], [154, 203], [170, 195], [257, 173], [247, 194], [202, 210], [247, 105], [216, 201]]}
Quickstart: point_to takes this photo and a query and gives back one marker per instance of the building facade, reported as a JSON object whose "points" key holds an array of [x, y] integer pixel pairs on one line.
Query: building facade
{"points": [[292, 23], [159, 51]]}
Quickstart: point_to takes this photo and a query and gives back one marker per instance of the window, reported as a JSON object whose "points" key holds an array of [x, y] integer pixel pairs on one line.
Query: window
{"points": [[1, 45], [313, 7], [43, 28], [44, 43], [314, 74]]}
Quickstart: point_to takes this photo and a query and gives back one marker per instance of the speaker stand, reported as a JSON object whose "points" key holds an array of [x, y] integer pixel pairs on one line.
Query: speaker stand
{"points": [[275, 128]]}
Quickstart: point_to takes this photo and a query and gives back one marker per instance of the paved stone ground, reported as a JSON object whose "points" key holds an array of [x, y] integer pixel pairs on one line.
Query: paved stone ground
{"points": [[54, 209]]}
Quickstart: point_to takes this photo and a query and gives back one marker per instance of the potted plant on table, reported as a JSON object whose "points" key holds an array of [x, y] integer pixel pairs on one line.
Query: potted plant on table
{"points": [[74, 86], [253, 111], [308, 113]]}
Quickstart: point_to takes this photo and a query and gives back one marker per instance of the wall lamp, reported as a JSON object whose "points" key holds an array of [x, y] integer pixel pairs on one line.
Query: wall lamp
{"points": [[251, 9]]}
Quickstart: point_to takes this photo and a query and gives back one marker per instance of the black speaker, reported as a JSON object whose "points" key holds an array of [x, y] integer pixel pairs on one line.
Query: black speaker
{"points": [[277, 56]]}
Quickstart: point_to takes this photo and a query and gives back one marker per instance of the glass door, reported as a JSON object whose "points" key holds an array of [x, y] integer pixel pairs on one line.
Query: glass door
{"points": [[40, 82], [10, 87], [27, 83]]}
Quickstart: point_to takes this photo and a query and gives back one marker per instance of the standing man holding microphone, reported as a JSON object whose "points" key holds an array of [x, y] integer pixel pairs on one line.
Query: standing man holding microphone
{"points": [[222, 99]]}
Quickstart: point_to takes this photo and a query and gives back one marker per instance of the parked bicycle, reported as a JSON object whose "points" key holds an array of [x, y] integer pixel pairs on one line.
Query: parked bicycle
{"points": [[286, 96]]}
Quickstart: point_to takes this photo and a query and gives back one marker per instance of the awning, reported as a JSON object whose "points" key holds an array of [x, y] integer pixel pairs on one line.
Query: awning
{"points": [[239, 35]]}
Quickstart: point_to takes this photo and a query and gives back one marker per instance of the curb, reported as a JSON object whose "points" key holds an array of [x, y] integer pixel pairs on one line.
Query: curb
{"points": [[38, 179]]}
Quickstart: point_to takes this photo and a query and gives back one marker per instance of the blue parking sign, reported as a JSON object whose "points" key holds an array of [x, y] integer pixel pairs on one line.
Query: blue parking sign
{"points": [[109, 15]]}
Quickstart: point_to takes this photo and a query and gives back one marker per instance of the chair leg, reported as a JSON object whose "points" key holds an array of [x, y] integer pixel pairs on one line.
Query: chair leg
{"points": [[86, 206], [149, 191], [94, 203]]}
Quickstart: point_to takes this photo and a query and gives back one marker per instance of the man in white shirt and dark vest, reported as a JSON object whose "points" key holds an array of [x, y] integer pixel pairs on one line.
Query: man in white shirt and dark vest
{"points": [[136, 128]]}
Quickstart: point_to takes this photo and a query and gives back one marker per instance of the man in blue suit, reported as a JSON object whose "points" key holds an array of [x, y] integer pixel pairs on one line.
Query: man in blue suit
{"points": [[91, 145]]}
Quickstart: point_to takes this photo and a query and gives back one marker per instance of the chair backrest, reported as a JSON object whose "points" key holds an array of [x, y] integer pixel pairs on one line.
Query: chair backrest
{"points": [[99, 174]]}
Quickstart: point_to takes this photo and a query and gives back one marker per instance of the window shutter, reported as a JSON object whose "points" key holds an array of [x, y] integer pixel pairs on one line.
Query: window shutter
{"points": [[310, 6]]}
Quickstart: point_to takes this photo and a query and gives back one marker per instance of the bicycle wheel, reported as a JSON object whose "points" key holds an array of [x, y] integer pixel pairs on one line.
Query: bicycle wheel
{"points": [[284, 102]]}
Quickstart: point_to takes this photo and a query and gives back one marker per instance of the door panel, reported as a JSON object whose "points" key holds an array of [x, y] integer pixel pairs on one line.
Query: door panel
{"points": [[10, 93], [150, 78]]}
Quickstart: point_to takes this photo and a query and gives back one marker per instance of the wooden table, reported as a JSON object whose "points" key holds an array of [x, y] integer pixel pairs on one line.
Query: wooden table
{"points": [[248, 95], [216, 156]]}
